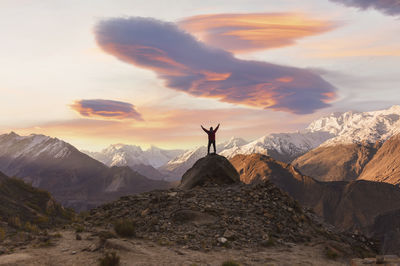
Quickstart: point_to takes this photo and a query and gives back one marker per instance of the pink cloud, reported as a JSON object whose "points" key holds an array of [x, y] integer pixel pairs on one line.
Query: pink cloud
{"points": [[106, 109], [188, 65], [241, 33]]}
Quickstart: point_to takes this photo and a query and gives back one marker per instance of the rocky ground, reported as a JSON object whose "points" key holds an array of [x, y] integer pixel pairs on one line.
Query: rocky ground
{"points": [[234, 216], [66, 250], [253, 225]]}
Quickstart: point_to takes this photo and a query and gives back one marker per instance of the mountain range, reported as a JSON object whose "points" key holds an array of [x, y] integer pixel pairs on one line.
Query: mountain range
{"points": [[332, 148], [338, 147], [75, 179]]}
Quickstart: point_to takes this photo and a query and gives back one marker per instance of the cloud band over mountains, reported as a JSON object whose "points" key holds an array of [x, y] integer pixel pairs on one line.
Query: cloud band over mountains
{"points": [[250, 32], [388, 7], [188, 65], [106, 109]]}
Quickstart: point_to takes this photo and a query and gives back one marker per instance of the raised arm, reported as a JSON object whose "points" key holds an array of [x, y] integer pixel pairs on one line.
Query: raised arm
{"points": [[215, 130], [205, 130]]}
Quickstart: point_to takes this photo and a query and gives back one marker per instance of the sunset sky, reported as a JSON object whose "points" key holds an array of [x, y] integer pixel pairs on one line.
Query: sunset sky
{"points": [[96, 72]]}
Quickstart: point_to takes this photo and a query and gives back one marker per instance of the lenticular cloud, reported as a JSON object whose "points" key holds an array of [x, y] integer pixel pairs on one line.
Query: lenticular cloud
{"points": [[242, 33], [106, 109], [188, 65]]}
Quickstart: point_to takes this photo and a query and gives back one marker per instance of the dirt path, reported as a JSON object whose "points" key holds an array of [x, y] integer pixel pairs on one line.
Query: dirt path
{"points": [[69, 251]]}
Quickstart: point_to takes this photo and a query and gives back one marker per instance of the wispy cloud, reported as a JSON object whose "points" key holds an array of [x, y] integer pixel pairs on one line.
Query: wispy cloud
{"points": [[240, 33], [106, 109], [188, 65], [388, 7]]}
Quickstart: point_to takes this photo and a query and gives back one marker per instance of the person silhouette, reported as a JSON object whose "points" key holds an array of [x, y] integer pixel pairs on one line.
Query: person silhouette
{"points": [[211, 138]]}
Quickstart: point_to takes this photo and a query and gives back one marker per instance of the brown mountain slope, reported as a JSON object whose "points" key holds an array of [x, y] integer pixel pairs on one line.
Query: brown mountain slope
{"points": [[347, 205], [23, 203], [256, 168], [385, 165], [343, 162]]}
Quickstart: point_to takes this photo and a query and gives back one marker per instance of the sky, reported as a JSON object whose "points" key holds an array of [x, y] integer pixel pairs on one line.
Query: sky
{"points": [[97, 72]]}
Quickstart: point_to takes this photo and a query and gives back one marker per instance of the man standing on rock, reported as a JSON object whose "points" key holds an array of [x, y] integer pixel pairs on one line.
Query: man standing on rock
{"points": [[211, 137]]}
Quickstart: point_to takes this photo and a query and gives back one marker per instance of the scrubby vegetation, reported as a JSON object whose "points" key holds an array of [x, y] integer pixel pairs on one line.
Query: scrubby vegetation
{"points": [[2, 234], [331, 253], [124, 228], [109, 259], [230, 263]]}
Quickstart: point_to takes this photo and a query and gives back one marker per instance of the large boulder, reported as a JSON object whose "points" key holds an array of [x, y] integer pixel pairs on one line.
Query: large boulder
{"points": [[214, 169]]}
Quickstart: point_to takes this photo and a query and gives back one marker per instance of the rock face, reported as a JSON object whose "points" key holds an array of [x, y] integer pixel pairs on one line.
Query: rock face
{"points": [[341, 162], [212, 169], [385, 165]]}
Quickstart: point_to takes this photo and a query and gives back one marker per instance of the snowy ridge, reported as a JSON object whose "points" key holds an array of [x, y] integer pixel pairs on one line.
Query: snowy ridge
{"points": [[131, 155], [15, 146], [288, 144], [336, 128], [356, 127]]}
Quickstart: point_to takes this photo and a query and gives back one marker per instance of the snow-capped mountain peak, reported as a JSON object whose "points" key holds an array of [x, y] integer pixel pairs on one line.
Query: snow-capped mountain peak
{"points": [[357, 127], [131, 155], [13, 145]]}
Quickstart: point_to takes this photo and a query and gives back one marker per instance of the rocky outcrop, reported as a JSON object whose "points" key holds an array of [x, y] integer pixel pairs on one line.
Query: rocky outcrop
{"points": [[212, 169], [231, 216]]}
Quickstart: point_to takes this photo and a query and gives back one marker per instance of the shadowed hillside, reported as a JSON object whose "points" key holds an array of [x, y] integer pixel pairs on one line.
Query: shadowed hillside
{"points": [[348, 205]]}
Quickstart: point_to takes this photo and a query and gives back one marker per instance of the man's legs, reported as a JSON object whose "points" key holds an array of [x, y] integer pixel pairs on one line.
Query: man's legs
{"points": [[215, 150], [209, 145]]}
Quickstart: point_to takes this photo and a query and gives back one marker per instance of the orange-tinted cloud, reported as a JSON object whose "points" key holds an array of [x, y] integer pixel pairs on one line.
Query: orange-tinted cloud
{"points": [[241, 33], [106, 109], [187, 65]]}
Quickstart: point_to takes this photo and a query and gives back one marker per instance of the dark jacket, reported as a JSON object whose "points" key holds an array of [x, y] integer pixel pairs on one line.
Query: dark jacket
{"points": [[211, 134]]}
